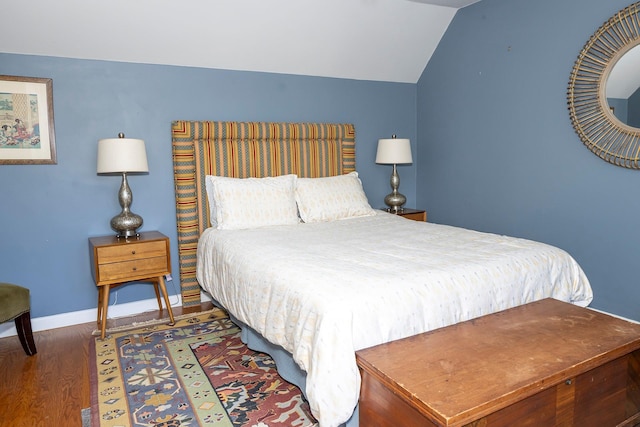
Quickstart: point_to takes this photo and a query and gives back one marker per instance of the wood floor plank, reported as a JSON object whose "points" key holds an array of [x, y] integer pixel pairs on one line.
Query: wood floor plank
{"points": [[52, 387]]}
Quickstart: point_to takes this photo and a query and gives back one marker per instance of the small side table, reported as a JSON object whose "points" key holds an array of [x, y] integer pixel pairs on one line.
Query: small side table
{"points": [[116, 261], [414, 214]]}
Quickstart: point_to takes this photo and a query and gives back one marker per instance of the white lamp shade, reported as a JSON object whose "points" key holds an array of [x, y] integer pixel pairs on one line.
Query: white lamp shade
{"points": [[394, 151], [122, 155]]}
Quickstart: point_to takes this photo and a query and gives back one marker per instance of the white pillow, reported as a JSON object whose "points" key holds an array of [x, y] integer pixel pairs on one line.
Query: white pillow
{"points": [[239, 203], [331, 198]]}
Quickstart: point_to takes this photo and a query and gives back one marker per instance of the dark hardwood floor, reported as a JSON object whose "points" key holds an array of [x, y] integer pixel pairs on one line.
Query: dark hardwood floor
{"points": [[50, 388]]}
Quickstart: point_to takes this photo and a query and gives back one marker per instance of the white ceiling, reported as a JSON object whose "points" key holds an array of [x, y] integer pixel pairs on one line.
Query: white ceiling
{"points": [[382, 40]]}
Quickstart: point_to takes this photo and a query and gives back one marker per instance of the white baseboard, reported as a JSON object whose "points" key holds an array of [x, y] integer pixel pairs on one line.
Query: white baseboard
{"points": [[121, 310], [90, 315], [614, 315]]}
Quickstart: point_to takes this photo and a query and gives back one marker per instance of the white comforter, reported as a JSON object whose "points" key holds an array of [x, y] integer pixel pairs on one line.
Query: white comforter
{"points": [[324, 290]]}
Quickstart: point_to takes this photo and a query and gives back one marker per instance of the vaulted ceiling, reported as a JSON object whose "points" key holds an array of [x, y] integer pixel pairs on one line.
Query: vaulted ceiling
{"points": [[382, 40]]}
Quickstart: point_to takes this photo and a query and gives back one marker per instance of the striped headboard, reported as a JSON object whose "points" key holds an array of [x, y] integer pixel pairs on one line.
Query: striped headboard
{"points": [[242, 150]]}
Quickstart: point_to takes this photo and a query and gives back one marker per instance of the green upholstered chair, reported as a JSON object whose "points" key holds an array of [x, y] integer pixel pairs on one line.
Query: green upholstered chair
{"points": [[15, 305]]}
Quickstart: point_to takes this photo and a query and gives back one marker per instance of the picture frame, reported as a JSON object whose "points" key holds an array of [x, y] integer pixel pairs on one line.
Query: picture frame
{"points": [[27, 135]]}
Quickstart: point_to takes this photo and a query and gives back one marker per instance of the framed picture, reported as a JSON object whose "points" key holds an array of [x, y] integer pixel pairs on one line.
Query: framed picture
{"points": [[26, 121]]}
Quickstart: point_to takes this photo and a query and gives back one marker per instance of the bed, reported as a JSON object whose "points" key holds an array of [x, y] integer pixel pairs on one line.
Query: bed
{"points": [[348, 277]]}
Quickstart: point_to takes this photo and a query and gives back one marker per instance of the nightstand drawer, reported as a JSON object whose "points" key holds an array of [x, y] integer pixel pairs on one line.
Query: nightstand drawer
{"points": [[129, 270], [131, 251]]}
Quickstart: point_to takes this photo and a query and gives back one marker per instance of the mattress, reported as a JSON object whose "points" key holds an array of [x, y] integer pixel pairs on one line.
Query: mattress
{"points": [[324, 290]]}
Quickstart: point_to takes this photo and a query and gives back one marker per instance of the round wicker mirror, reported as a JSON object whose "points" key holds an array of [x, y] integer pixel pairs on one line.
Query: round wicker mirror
{"points": [[593, 120]]}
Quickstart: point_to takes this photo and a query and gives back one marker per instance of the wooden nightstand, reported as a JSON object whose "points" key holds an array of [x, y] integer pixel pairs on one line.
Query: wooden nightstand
{"points": [[414, 214], [116, 261]]}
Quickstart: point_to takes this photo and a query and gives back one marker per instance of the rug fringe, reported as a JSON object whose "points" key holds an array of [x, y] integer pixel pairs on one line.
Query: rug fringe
{"points": [[85, 414], [152, 322]]}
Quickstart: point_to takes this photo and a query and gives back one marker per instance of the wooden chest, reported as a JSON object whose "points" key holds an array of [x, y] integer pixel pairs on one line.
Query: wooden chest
{"points": [[547, 363]]}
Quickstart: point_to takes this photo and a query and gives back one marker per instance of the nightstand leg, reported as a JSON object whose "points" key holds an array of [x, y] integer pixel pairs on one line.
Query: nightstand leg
{"points": [[163, 289], [155, 288], [105, 306], [99, 305]]}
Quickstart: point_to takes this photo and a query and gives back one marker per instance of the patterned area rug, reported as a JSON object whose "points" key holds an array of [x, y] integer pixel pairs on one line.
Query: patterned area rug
{"points": [[196, 373]]}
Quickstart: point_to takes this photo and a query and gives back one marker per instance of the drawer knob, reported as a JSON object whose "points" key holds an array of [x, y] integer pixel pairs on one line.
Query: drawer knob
{"points": [[135, 268], [133, 252], [568, 382]]}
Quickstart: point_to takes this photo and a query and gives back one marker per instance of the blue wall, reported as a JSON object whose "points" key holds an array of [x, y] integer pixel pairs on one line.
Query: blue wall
{"points": [[497, 151], [49, 211], [633, 112], [620, 108]]}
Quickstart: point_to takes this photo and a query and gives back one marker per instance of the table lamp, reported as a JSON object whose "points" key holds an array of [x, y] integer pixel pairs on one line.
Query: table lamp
{"points": [[394, 151], [123, 155]]}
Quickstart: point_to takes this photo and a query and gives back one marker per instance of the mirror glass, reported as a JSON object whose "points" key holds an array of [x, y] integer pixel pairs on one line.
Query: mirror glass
{"points": [[623, 96]]}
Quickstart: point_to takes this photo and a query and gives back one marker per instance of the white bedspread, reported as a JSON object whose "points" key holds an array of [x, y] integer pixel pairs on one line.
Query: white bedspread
{"points": [[324, 290]]}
